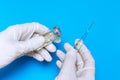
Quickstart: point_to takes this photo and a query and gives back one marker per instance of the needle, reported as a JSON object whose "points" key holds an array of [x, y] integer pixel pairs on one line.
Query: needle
{"points": [[79, 42], [87, 31]]}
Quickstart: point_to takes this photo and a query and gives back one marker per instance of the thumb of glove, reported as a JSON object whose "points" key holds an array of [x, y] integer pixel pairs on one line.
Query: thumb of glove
{"points": [[30, 45], [68, 70]]}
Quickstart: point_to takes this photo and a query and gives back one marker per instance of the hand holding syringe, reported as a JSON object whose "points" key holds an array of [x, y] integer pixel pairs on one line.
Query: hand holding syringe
{"points": [[78, 63]]}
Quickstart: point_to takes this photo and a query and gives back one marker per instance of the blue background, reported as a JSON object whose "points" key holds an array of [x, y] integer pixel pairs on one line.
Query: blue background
{"points": [[73, 17]]}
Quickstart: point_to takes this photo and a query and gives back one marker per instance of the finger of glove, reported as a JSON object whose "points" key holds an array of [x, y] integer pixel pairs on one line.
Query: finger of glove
{"points": [[61, 55], [68, 47], [59, 64], [87, 57], [26, 31], [36, 56], [51, 47], [80, 62], [45, 54]]}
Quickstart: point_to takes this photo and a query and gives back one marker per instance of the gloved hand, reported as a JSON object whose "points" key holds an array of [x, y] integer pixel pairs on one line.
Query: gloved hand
{"points": [[17, 41], [74, 65]]}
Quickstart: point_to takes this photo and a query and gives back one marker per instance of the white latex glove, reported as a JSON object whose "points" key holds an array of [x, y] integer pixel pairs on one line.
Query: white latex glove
{"points": [[17, 41], [74, 65]]}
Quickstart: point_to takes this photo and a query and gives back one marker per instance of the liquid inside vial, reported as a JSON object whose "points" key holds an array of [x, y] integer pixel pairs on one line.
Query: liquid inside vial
{"points": [[52, 36]]}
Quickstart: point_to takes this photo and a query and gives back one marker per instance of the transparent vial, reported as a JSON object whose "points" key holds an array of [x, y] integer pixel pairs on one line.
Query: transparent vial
{"points": [[52, 36]]}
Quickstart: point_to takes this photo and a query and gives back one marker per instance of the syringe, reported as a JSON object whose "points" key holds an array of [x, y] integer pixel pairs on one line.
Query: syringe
{"points": [[78, 44]]}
